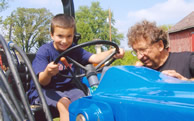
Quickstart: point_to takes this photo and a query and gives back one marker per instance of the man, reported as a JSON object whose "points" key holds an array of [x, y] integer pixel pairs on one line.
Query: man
{"points": [[150, 45]]}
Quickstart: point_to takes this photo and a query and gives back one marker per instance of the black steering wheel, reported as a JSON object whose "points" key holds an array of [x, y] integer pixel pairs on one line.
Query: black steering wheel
{"points": [[107, 61]]}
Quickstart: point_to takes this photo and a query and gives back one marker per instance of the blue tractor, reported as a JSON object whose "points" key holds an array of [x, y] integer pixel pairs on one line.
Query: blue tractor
{"points": [[115, 93], [129, 93]]}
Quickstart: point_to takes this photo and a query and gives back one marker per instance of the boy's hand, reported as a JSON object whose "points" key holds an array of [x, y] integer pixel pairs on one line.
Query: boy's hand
{"points": [[52, 69], [45, 76], [120, 54]]}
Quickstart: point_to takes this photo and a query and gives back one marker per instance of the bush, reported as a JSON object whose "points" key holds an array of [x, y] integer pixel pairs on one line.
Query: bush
{"points": [[128, 59]]}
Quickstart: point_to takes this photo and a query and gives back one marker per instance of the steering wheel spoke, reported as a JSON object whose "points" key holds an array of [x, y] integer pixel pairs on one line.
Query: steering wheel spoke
{"points": [[76, 63], [107, 61]]}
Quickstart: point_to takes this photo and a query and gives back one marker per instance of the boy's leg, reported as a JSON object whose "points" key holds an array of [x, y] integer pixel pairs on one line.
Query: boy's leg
{"points": [[60, 100], [62, 106]]}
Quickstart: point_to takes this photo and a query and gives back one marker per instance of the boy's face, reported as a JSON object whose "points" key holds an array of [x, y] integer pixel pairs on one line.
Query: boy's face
{"points": [[63, 38]]}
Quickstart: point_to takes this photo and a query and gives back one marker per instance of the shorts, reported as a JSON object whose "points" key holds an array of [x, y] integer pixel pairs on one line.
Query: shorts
{"points": [[52, 96]]}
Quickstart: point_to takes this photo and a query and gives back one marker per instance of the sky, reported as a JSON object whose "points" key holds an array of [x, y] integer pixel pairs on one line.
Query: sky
{"points": [[125, 12]]}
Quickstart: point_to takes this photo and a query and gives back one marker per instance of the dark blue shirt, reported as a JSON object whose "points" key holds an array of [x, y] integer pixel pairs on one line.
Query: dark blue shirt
{"points": [[46, 54]]}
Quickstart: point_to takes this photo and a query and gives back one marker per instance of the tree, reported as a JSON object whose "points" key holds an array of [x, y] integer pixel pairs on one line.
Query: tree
{"points": [[28, 27], [92, 24], [165, 27], [128, 59], [3, 5]]}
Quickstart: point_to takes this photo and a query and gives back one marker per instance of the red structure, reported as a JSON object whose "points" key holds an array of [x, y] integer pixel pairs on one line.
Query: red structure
{"points": [[181, 35], [3, 60], [1, 63]]}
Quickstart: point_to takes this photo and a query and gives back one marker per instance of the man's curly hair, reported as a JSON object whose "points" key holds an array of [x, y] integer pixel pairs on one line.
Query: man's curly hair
{"points": [[148, 31]]}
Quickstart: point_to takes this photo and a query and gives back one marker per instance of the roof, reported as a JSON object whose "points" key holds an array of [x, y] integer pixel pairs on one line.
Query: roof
{"points": [[186, 23]]}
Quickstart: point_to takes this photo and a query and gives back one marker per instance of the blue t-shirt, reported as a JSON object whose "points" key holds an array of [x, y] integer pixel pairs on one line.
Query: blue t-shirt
{"points": [[46, 54]]}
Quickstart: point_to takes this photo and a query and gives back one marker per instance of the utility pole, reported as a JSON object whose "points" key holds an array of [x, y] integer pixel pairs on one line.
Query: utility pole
{"points": [[110, 24], [10, 28]]}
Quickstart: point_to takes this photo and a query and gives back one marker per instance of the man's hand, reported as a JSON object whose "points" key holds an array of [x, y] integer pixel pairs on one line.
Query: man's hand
{"points": [[175, 74], [138, 63]]}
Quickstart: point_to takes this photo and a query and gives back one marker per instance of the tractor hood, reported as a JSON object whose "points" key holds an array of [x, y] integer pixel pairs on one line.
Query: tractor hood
{"points": [[129, 93]]}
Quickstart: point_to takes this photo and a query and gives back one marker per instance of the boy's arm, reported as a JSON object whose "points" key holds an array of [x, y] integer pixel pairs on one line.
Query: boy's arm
{"points": [[50, 71], [97, 58]]}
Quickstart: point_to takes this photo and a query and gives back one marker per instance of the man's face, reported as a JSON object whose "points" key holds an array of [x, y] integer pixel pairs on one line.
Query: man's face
{"points": [[148, 53], [63, 38]]}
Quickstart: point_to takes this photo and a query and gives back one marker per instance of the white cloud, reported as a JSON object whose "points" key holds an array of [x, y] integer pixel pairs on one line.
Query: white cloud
{"points": [[46, 3], [121, 25], [55, 6], [169, 12], [39, 2]]}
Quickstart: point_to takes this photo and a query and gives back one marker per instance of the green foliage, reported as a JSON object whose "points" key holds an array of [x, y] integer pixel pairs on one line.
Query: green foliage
{"points": [[56, 119], [1, 20], [92, 24], [165, 27], [28, 27], [3, 5], [128, 59]]}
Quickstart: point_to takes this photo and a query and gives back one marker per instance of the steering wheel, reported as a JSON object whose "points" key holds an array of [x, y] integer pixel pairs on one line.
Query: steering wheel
{"points": [[107, 61]]}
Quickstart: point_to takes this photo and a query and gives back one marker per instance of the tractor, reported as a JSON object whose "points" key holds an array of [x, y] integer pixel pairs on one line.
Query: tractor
{"points": [[114, 93]]}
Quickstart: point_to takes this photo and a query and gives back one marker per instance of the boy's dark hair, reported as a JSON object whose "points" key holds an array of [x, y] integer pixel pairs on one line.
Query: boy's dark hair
{"points": [[62, 21], [147, 30]]}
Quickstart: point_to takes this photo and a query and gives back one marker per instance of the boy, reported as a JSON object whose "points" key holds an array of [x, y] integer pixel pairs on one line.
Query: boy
{"points": [[58, 91]]}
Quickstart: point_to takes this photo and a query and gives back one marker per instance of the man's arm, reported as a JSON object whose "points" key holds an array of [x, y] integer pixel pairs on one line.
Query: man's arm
{"points": [[191, 79], [175, 74]]}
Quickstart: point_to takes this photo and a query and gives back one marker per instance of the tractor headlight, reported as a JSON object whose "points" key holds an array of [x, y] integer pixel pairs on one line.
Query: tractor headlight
{"points": [[80, 117]]}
